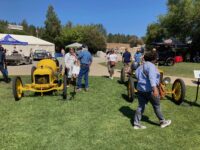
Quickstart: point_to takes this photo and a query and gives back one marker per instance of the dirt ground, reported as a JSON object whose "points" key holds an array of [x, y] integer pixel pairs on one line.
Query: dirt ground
{"points": [[95, 70]]}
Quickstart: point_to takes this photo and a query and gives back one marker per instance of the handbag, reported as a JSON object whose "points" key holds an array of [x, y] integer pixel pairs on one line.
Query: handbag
{"points": [[112, 63]]}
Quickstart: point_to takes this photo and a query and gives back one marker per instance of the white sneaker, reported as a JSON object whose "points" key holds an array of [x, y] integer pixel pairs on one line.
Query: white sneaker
{"points": [[111, 78], [136, 127], [165, 123]]}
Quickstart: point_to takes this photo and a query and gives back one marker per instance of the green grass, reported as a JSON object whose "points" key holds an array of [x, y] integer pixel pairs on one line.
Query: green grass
{"points": [[98, 119], [179, 69]]}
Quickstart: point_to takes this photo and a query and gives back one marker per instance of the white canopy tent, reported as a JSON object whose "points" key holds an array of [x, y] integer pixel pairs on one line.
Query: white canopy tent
{"points": [[34, 43], [74, 45]]}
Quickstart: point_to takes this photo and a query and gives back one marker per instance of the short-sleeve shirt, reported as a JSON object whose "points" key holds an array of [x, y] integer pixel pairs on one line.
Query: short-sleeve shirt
{"points": [[85, 57], [127, 57], [137, 57], [113, 57]]}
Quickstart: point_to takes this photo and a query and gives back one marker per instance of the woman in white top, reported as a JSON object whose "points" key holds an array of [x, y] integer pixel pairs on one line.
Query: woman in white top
{"points": [[70, 59], [112, 60]]}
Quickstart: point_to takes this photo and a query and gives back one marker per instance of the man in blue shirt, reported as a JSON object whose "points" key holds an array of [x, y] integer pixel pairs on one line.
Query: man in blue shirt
{"points": [[148, 78], [137, 59], [85, 59], [126, 57], [3, 64]]}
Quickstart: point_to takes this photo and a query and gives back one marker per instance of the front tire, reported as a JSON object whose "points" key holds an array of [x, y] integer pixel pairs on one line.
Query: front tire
{"points": [[32, 73], [123, 75], [65, 86], [179, 90], [17, 88]]}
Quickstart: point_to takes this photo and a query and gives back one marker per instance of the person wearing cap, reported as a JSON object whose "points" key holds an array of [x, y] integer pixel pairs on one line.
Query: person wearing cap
{"points": [[3, 64], [148, 78], [85, 59]]}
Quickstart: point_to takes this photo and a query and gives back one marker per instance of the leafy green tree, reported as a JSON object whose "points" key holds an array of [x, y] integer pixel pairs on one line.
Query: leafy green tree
{"points": [[87, 34], [3, 26], [69, 24], [182, 22], [52, 26], [155, 33]]}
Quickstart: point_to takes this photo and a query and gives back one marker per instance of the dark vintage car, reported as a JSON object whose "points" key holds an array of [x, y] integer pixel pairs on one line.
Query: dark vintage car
{"points": [[169, 53], [166, 57], [41, 54], [18, 59]]}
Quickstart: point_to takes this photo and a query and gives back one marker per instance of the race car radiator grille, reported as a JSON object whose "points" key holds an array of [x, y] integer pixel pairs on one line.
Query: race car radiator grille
{"points": [[42, 79]]}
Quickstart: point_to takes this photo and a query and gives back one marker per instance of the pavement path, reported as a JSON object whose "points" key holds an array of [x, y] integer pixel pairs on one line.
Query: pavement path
{"points": [[96, 70]]}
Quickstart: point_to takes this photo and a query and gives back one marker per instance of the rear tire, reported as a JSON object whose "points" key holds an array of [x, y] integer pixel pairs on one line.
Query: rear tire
{"points": [[17, 88], [179, 90], [131, 90], [170, 62]]}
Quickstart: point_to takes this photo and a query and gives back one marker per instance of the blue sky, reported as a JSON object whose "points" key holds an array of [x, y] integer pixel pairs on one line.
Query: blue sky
{"points": [[117, 16]]}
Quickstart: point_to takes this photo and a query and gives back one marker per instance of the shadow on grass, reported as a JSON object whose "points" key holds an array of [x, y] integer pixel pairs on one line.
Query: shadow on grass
{"points": [[126, 98], [125, 83], [105, 77], [191, 103], [185, 102], [129, 113], [9, 80]]}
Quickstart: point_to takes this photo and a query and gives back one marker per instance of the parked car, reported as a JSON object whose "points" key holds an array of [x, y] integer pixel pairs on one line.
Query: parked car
{"points": [[18, 59], [41, 54]]}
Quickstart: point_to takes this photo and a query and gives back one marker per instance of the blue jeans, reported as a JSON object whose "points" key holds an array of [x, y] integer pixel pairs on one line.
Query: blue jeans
{"points": [[143, 98], [84, 71], [4, 72]]}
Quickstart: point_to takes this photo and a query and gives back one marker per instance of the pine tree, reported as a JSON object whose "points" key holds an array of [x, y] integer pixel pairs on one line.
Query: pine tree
{"points": [[52, 25]]}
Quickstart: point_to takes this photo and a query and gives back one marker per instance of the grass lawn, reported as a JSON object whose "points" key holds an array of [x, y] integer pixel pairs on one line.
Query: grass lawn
{"points": [[98, 119], [179, 69]]}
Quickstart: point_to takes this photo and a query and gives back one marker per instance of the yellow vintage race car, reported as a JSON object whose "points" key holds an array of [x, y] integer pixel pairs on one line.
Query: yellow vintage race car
{"points": [[177, 91], [45, 77]]}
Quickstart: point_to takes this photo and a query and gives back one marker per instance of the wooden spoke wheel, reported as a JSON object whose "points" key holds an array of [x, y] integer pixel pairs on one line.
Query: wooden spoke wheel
{"points": [[32, 72], [65, 86], [17, 88], [123, 75], [178, 89], [131, 90]]}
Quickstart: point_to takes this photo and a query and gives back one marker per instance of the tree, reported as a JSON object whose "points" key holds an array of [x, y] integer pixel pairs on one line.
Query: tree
{"points": [[155, 33], [3, 26], [69, 24], [181, 22], [52, 26], [25, 26], [86, 34]]}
